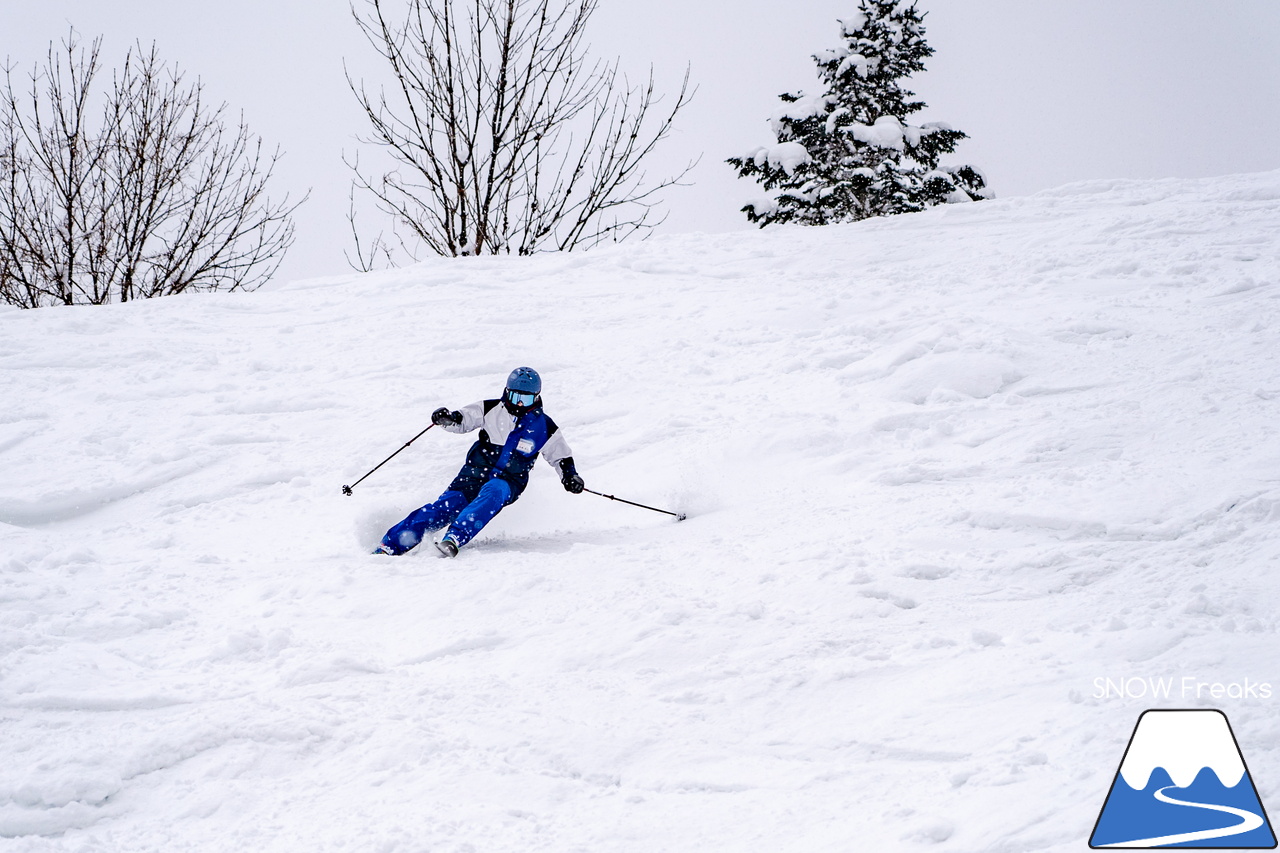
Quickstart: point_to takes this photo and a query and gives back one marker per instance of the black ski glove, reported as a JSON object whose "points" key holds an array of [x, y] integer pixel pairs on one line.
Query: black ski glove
{"points": [[444, 417], [569, 477]]}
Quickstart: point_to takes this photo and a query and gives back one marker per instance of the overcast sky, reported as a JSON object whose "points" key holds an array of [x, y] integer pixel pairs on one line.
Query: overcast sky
{"points": [[1049, 92]]}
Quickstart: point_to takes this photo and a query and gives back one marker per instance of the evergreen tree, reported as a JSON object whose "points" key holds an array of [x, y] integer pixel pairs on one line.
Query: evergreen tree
{"points": [[849, 154]]}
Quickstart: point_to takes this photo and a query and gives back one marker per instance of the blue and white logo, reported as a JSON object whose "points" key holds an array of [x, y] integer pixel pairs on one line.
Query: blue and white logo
{"points": [[1183, 783]]}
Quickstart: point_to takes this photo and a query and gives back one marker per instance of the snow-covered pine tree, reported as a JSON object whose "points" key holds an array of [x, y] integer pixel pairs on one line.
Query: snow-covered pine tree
{"points": [[849, 154]]}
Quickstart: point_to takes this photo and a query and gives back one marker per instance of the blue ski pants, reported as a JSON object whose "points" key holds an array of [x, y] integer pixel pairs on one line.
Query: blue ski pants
{"points": [[464, 518]]}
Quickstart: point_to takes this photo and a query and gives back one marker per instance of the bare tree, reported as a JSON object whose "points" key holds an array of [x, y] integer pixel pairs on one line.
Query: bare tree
{"points": [[47, 199], [157, 196], [503, 136]]}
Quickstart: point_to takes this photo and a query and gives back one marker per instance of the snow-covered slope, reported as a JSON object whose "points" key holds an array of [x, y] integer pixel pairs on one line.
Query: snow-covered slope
{"points": [[942, 472]]}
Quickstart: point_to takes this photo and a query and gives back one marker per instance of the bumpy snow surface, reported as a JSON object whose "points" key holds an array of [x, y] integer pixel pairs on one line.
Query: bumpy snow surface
{"points": [[942, 472]]}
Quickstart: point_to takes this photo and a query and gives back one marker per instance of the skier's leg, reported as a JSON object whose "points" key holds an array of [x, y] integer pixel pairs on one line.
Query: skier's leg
{"points": [[433, 516], [494, 495]]}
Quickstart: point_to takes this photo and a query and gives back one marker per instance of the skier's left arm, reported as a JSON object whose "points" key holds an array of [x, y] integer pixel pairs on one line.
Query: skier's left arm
{"points": [[558, 455]]}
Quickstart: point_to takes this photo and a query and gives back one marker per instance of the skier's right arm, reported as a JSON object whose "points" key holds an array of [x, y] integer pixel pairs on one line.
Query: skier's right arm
{"points": [[466, 419]]}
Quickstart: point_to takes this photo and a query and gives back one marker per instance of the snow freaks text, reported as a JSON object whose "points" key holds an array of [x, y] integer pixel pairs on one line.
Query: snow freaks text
{"points": [[1184, 687]]}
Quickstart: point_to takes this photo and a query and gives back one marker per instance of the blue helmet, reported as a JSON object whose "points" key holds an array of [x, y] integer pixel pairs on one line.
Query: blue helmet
{"points": [[525, 379], [523, 387]]}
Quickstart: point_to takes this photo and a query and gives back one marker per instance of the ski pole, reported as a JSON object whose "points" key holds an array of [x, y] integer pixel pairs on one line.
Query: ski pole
{"points": [[680, 516], [346, 490]]}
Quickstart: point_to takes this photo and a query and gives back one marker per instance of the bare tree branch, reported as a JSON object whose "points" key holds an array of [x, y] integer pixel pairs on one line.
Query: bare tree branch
{"points": [[501, 135], [159, 196]]}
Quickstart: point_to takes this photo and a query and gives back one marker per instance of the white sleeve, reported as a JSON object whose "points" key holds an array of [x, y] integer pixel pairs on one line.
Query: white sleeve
{"points": [[556, 449], [472, 418]]}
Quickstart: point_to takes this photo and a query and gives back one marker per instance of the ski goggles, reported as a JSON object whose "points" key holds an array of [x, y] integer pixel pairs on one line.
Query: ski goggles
{"points": [[519, 398]]}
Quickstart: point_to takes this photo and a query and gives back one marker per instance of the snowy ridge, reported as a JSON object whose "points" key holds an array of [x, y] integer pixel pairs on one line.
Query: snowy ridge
{"points": [[942, 472], [1183, 743]]}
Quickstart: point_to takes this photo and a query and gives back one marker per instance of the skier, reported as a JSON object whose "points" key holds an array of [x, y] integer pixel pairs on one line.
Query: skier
{"points": [[512, 432]]}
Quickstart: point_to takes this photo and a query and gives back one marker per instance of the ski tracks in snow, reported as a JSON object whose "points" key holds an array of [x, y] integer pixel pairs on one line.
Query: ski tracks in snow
{"points": [[942, 470]]}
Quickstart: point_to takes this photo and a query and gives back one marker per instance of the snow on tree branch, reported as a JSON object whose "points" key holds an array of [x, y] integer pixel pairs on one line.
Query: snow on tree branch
{"points": [[849, 152]]}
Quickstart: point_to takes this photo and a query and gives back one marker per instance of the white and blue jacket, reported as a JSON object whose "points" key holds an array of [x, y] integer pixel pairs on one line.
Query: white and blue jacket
{"points": [[508, 446]]}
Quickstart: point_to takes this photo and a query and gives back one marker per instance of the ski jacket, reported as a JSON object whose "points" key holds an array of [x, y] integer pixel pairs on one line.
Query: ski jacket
{"points": [[508, 446]]}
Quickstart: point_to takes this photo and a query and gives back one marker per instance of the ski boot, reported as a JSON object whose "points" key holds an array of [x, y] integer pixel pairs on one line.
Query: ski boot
{"points": [[447, 547]]}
